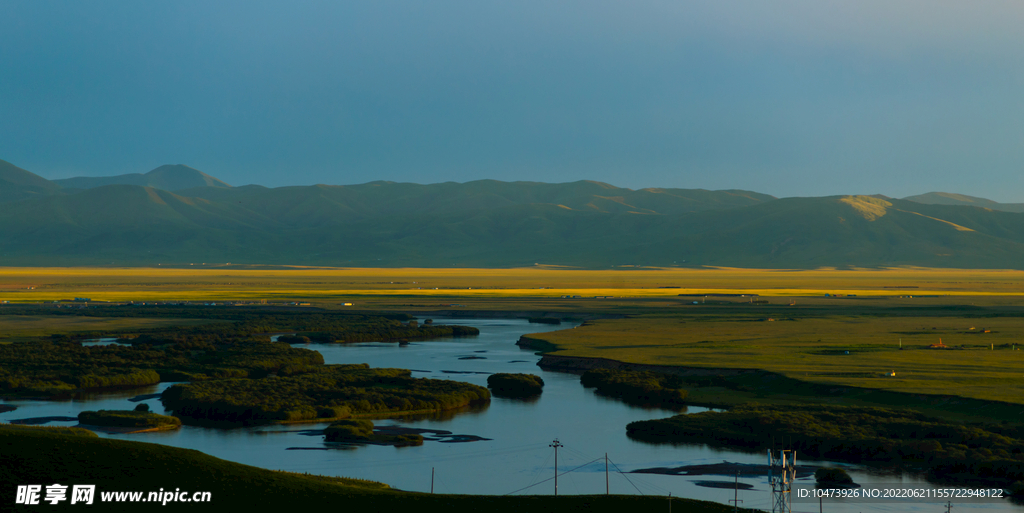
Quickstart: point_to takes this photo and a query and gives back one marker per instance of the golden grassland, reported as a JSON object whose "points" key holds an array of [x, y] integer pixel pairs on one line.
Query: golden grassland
{"points": [[990, 366], [215, 283]]}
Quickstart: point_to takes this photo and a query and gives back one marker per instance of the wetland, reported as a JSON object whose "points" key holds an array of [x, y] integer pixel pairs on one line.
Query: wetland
{"points": [[504, 443]]}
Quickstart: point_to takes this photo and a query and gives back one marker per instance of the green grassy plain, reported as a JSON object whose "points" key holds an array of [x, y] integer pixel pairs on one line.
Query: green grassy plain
{"points": [[16, 328], [814, 349]]}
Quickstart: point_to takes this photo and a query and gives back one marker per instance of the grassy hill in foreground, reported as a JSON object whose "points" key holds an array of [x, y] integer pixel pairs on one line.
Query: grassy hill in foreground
{"points": [[46, 456]]}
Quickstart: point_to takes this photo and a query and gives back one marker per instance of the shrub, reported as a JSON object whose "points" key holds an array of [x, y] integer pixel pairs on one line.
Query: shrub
{"points": [[349, 430], [831, 476], [639, 387], [293, 339], [125, 418], [333, 412], [545, 320]]}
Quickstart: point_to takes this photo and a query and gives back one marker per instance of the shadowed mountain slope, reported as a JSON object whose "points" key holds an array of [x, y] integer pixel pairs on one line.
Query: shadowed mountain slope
{"points": [[497, 224], [486, 223], [344, 203], [168, 178]]}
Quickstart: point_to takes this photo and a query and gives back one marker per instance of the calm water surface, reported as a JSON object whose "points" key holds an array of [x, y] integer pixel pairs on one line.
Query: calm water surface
{"points": [[518, 453]]}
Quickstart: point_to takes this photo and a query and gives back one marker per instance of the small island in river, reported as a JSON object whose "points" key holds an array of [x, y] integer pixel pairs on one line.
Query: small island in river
{"points": [[317, 393], [361, 431], [129, 421], [515, 385]]}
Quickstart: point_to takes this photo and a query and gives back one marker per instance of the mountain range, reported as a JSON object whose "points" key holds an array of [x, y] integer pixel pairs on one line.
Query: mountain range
{"points": [[179, 215], [168, 178]]}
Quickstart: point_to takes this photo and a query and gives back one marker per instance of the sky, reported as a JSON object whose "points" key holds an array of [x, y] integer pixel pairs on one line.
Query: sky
{"points": [[789, 98]]}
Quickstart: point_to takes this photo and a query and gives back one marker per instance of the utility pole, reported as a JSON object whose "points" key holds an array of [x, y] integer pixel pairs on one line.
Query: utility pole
{"points": [[431, 479], [607, 489], [736, 494], [949, 506], [556, 444]]}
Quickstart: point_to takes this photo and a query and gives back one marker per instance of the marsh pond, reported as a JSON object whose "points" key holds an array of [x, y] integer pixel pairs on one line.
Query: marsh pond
{"points": [[499, 448]]}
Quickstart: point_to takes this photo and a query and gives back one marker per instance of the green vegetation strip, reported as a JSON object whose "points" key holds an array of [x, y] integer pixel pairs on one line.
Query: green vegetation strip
{"points": [[317, 392], [235, 346], [236, 321], [952, 452], [45, 456], [637, 387], [53, 369]]}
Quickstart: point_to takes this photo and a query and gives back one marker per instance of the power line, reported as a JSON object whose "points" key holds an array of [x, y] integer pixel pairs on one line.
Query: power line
{"points": [[550, 478], [627, 477], [537, 471], [430, 459]]}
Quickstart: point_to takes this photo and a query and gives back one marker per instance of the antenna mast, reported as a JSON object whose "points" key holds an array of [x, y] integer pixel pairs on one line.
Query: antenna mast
{"points": [[781, 474]]}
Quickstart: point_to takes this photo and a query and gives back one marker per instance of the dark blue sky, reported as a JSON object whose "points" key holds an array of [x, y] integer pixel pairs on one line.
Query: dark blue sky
{"points": [[787, 98]]}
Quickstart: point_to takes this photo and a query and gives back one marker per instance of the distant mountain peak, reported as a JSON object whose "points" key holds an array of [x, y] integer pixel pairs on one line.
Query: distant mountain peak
{"points": [[950, 198], [168, 177], [17, 183], [18, 176], [181, 174]]}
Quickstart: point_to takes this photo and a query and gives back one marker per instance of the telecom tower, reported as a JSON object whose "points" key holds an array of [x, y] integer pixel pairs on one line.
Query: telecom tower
{"points": [[781, 474]]}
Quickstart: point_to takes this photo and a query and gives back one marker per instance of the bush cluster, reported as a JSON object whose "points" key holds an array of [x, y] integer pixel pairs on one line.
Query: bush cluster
{"points": [[238, 347], [59, 368], [126, 418], [332, 391], [637, 387], [515, 385], [349, 430], [832, 476], [361, 431]]}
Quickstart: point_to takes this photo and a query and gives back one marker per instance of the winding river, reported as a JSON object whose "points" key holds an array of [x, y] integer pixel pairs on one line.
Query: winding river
{"points": [[515, 458]]}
